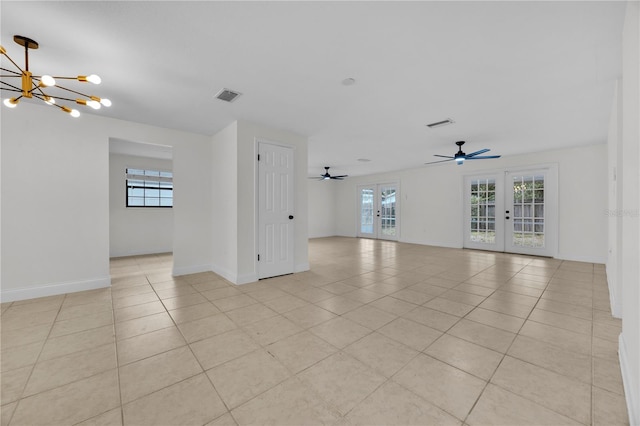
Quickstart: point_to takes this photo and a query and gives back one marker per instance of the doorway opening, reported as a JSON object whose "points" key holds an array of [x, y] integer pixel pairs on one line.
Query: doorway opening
{"points": [[378, 211]]}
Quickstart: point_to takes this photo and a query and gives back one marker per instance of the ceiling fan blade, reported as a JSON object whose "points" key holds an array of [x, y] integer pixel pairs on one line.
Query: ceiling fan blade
{"points": [[482, 151], [484, 157], [441, 161], [339, 176], [443, 156]]}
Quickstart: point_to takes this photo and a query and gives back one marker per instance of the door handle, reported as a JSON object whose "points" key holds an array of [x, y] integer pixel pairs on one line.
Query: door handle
{"points": [[290, 216], [507, 217]]}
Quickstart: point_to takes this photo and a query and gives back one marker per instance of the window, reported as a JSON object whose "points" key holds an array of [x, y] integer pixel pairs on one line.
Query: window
{"points": [[149, 188]]}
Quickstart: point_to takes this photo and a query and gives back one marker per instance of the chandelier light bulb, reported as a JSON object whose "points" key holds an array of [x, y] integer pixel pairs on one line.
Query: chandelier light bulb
{"points": [[93, 104], [49, 100], [75, 113], [105, 102], [11, 102], [95, 79], [47, 81]]}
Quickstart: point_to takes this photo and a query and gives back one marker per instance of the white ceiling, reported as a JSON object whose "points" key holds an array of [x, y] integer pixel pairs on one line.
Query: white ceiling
{"points": [[516, 77]]}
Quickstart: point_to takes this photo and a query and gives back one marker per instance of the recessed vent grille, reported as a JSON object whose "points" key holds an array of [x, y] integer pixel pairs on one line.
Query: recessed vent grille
{"points": [[445, 122], [227, 95]]}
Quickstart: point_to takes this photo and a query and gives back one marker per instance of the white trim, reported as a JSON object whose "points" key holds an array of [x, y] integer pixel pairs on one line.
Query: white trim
{"points": [[54, 289], [616, 304], [245, 279], [193, 269], [301, 267], [633, 403], [141, 252], [587, 259]]}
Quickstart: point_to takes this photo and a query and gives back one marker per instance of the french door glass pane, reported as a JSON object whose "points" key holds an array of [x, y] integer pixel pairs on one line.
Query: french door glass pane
{"points": [[483, 211], [366, 211], [528, 211], [388, 211]]}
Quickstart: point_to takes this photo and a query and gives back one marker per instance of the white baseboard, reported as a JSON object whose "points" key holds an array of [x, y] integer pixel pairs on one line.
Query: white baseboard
{"points": [[140, 252], [224, 273], [630, 386], [301, 267], [193, 269], [245, 279], [53, 289], [587, 259]]}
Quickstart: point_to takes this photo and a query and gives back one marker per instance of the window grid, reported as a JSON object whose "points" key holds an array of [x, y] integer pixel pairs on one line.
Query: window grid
{"points": [[483, 211], [149, 188], [528, 211]]}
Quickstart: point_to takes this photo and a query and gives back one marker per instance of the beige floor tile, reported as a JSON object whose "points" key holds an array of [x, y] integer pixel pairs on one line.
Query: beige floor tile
{"points": [[301, 351], [138, 299], [135, 327], [289, 403], [432, 318], [571, 364], [496, 319], [339, 288], [209, 285], [604, 348], [88, 322], [340, 331], [449, 306], [510, 297], [24, 336], [177, 291], [193, 312], [146, 345], [554, 391], [262, 292], [70, 403], [342, 381], [20, 356], [182, 301], [271, 330], [243, 378], [606, 331], [609, 408], [497, 406], [382, 354], [412, 296], [6, 412], [463, 297], [363, 295], [285, 303], [110, 418], [339, 305], [522, 289], [309, 316], [131, 291], [430, 289], [234, 302], [393, 306], [466, 356], [143, 377], [224, 347], [34, 306], [393, 404], [70, 368], [12, 320], [64, 345], [315, 295], [192, 401], [370, 317], [564, 339], [224, 420], [13, 383], [483, 335], [447, 387], [474, 289], [138, 311], [565, 308], [250, 314], [206, 327], [567, 322], [508, 308], [607, 375], [409, 333]]}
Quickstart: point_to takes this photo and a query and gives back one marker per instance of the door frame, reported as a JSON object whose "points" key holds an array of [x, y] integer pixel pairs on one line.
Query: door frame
{"points": [[551, 209], [376, 227], [257, 241]]}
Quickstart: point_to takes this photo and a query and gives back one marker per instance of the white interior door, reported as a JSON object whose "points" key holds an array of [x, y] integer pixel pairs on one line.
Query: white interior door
{"points": [[378, 211], [512, 211], [275, 214]]}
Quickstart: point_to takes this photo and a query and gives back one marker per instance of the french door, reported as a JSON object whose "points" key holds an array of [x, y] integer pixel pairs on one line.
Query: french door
{"points": [[378, 211], [512, 211], [275, 214]]}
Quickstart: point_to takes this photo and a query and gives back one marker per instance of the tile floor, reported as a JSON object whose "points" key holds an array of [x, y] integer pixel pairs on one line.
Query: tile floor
{"points": [[377, 333]]}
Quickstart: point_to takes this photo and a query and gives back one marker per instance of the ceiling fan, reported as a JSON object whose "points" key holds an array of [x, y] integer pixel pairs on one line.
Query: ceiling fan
{"points": [[327, 176], [460, 156]]}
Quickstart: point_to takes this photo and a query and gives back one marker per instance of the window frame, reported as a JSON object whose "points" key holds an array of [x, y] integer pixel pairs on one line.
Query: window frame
{"points": [[144, 177]]}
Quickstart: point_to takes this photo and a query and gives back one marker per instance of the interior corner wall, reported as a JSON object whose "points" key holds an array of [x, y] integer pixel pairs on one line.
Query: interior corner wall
{"points": [[431, 203], [135, 230], [629, 247], [249, 134], [322, 208], [224, 197], [55, 199]]}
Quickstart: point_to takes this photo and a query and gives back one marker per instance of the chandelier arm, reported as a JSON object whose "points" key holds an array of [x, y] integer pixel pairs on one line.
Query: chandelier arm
{"points": [[11, 71], [73, 91], [43, 100], [16, 65], [11, 90], [11, 85]]}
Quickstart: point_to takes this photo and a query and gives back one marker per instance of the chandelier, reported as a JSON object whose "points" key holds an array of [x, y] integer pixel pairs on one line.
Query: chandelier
{"points": [[39, 86]]}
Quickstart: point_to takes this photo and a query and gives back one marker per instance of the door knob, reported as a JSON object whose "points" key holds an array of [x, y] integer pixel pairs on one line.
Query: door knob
{"points": [[290, 216]]}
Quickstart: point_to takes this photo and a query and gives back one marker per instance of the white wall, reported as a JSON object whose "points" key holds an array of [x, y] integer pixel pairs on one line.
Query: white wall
{"points": [[136, 230], [322, 208], [431, 212], [628, 245], [55, 190]]}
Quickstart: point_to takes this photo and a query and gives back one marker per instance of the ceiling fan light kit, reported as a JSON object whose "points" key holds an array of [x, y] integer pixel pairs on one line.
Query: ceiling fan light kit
{"points": [[460, 157], [34, 86]]}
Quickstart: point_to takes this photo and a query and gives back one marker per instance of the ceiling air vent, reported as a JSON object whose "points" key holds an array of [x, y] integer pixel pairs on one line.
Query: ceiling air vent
{"points": [[227, 95], [445, 122]]}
